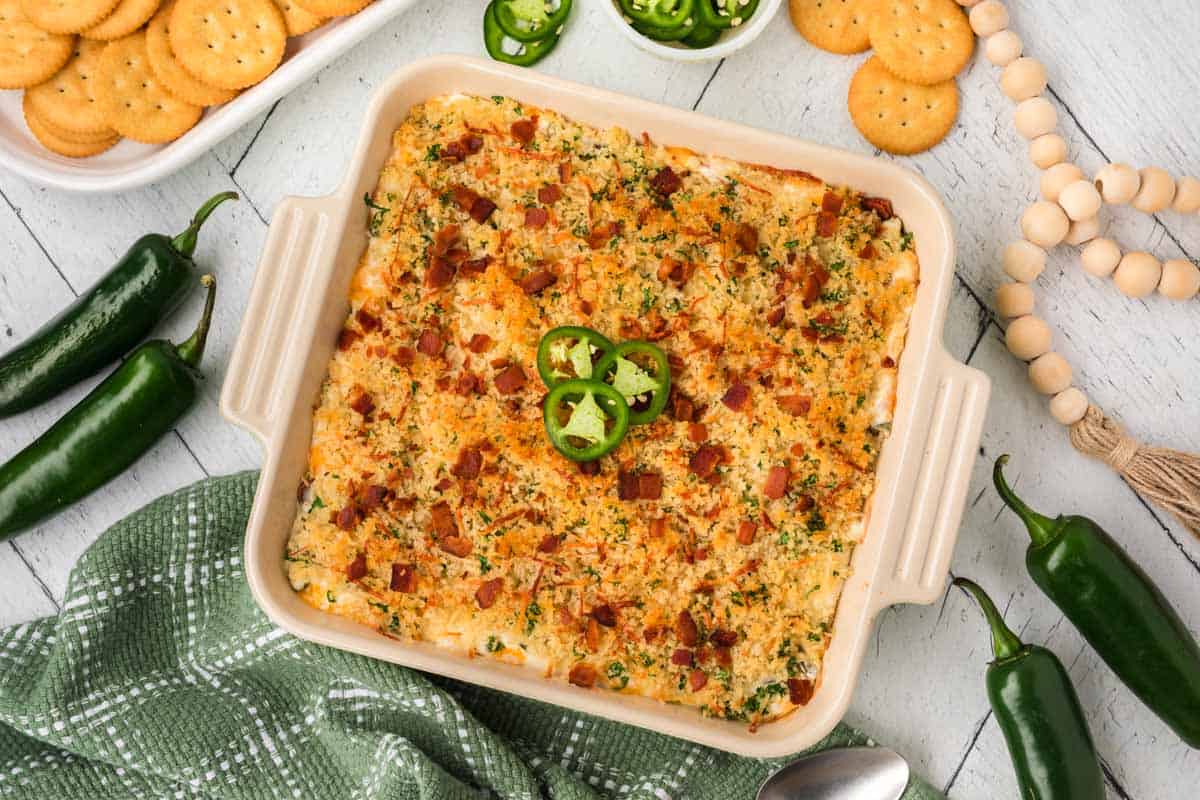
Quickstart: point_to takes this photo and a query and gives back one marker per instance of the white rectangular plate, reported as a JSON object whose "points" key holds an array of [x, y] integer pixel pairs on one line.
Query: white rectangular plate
{"points": [[130, 165]]}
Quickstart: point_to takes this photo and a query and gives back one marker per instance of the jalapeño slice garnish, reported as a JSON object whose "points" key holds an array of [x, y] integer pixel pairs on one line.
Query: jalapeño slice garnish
{"points": [[585, 419], [639, 371], [570, 352]]}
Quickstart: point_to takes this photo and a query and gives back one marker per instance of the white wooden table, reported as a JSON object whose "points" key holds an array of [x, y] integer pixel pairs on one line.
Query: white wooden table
{"points": [[1122, 76]]}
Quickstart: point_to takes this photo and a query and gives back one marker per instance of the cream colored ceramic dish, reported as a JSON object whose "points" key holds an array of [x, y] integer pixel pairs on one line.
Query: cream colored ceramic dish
{"points": [[298, 305]]}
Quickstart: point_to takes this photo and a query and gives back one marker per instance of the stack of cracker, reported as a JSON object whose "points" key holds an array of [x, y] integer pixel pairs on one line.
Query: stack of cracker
{"points": [[904, 98], [95, 71]]}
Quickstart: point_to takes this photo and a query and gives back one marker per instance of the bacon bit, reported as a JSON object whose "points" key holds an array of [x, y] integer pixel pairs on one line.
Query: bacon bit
{"points": [[701, 554], [481, 209], [453, 152], [403, 505], [443, 485], [523, 129], [682, 408], [746, 237], [536, 282], [888, 362], [702, 655], [746, 531], [373, 496], [651, 633], [797, 450], [682, 658], [583, 675], [686, 630], [776, 483], [470, 461], [806, 503], [488, 591], [775, 315], [348, 518], [536, 217], [346, 339], [697, 432], [800, 690], [832, 203], [511, 380], [589, 467], [798, 405], [737, 395], [476, 266], [826, 224], [627, 485], [666, 182], [549, 544], [602, 233], [723, 656], [868, 251], [364, 404], [357, 568], [480, 343], [549, 194], [456, 546], [880, 206], [723, 638], [367, 321], [650, 486], [591, 634], [631, 328], [676, 271], [564, 171], [464, 197], [441, 520], [429, 342], [658, 527], [404, 356], [404, 578], [697, 680], [439, 274], [704, 461], [605, 615], [814, 281]]}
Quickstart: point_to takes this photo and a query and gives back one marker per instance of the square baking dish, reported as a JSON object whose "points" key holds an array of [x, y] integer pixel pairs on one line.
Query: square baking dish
{"points": [[299, 303], [130, 164]]}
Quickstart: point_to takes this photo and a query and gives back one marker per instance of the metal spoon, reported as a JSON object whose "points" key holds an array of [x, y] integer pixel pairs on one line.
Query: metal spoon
{"points": [[846, 773]]}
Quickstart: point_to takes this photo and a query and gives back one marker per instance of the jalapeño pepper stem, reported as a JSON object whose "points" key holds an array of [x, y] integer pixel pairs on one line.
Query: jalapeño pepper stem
{"points": [[1042, 529], [1005, 643], [191, 351], [185, 242]]}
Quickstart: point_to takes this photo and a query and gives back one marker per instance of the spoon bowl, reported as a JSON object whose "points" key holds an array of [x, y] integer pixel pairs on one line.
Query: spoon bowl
{"points": [[845, 773]]}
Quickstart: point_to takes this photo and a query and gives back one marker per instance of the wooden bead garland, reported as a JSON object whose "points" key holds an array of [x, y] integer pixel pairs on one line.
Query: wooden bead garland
{"points": [[1069, 211]]}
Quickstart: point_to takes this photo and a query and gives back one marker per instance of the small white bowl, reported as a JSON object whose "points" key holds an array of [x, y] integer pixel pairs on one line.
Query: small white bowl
{"points": [[730, 42]]}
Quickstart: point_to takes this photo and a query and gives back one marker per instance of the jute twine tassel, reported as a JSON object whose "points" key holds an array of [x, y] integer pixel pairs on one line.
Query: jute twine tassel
{"points": [[1168, 477]]}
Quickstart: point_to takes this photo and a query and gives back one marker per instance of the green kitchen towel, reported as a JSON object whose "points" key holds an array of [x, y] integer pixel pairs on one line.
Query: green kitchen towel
{"points": [[161, 678]]}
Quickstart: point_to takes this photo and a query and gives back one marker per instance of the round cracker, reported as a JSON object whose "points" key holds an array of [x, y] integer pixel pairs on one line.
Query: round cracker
{"points": [[128, 16], [28, 54], [75, 137], [898, 116], [298, 20], [50, 140], [67, 16], [171, 73], [333, 8], [133, 100], [68, 100], [839, 26], [921, 41], [228, 43]]}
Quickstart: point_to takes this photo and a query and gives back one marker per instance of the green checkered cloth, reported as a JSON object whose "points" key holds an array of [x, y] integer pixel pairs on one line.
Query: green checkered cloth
{"points": [[161, 678]]}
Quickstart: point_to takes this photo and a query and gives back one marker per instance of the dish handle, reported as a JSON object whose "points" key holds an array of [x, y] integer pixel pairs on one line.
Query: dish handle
{"points": [[942, 479], [280, 313]]}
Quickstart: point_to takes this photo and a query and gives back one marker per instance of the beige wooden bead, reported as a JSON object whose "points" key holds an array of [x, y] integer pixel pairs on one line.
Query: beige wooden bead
{"points": [[1003, 48], [1046, 151], [1080, 200], [1187, 196], [1050, 373], [1069, 406], [1014, 300], [1157, 192], [1100, 257], [989, 17], [1057, 178], [1045, 224], [1027, 337], [1118, 183], [1035, 117], [1180, 280], [1083, 230], [1023, 261], [1137, 275], [1023, 79]]}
